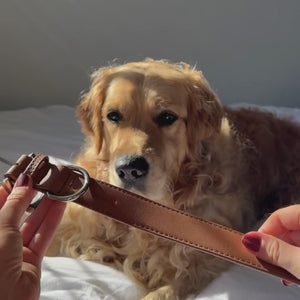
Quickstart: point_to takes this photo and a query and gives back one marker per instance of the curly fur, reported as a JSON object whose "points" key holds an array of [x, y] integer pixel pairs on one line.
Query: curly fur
{"points": [[227, 166]]}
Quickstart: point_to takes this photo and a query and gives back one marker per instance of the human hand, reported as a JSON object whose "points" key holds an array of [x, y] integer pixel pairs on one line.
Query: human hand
{"points": [[278, 240], [22, 249]]}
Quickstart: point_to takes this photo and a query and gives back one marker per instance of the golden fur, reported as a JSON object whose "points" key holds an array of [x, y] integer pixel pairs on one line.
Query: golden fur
{"points": [[227, 166]]}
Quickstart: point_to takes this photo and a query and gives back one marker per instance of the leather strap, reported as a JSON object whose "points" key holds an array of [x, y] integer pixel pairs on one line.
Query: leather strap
{"points": [[142, 213]]}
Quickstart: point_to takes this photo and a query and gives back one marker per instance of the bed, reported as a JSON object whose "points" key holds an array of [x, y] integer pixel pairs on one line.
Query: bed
{"points": [[54, 131]]}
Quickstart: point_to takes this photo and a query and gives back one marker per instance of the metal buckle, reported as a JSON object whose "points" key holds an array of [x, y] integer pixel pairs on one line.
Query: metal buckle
{"points": [[81, 191]]}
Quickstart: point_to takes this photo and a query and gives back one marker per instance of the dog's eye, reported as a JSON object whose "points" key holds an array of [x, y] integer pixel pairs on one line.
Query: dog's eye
{"points": [[166, 119], [114, 117]]}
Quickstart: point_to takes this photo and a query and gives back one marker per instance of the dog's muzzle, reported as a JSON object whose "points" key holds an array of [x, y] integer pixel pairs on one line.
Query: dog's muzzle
{"points": [[132, 170]]}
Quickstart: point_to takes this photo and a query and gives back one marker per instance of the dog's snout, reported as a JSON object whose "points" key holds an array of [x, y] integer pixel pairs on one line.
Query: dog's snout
{"points": [[131, 169]]}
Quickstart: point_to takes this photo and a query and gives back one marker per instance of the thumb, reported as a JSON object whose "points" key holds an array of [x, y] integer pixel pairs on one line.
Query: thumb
{"points": [[274, 251]]}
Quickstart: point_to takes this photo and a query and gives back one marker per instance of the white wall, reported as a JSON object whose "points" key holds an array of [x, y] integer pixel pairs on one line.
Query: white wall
{"points": [[248, 50]]}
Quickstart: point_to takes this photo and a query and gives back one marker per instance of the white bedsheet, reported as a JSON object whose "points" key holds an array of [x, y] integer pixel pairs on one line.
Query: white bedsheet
{"points": [[54, 130]]}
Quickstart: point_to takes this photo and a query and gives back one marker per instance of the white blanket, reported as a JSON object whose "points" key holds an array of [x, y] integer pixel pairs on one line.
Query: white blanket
{"points": [[54, 130]]}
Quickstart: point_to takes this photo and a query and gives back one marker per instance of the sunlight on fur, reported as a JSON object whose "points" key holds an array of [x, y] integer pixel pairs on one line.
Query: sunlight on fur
{"points": [[158, 129]]}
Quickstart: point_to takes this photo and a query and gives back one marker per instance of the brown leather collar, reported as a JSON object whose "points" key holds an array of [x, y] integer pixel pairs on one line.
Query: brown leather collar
{"points": [[138, 212]]}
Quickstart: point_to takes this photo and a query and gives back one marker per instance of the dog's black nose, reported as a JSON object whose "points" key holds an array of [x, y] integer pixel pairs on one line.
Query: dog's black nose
{"points": [[131, 169]]}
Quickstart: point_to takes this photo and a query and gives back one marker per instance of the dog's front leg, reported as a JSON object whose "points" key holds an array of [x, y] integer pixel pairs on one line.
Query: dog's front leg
{"points": [[164, 293]]}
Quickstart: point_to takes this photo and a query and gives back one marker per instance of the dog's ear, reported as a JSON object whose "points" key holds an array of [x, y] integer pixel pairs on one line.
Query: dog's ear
{"points": [[205, 111], [89, 110]]}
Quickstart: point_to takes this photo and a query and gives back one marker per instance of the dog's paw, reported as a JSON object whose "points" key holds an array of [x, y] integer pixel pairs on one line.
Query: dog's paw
{"points": [[163, 293]]}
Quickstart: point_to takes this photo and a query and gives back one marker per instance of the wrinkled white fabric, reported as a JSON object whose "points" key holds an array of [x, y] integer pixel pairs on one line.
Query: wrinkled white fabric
{"points": [[68, 279]]}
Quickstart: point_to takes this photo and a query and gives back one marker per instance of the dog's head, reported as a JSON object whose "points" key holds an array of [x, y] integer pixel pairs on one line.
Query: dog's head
{"points": [[146, 119]]}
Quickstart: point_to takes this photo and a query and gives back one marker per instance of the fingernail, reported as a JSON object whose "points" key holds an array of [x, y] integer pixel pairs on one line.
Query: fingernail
{"points": [[22, 180], [285, 282], [252, 242]]}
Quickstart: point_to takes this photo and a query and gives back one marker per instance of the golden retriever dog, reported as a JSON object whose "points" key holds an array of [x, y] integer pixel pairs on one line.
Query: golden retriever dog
{"points": [[158, 130]]}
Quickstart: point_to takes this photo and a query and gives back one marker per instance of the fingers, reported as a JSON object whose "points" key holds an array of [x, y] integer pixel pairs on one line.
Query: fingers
{"points": [[39, 229], [34, 221], [281, 221], [291, 237], [274, 251], [3, 196], [17, 202]]}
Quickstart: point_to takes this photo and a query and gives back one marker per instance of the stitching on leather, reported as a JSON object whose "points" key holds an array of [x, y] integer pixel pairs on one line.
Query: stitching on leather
{"points": [[138, 197], [249, 263], [34, 164]]}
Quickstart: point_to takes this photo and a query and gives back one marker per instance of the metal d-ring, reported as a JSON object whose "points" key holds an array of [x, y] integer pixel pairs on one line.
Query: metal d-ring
{"points": [[80, 192]]}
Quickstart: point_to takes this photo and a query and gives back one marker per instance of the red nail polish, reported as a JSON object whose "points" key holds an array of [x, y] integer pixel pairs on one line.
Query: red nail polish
{"points": [[252, 242], [22, 180], [285, 282]]}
